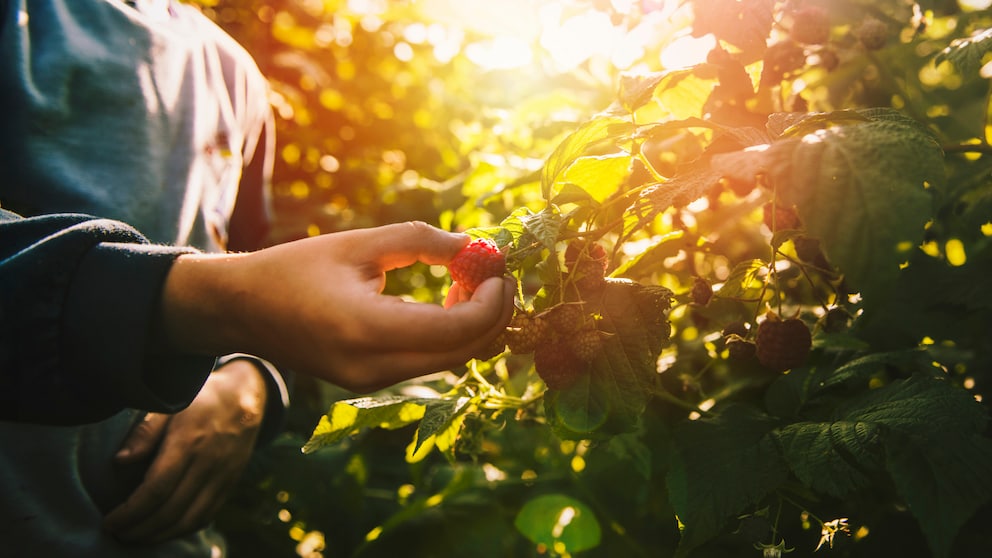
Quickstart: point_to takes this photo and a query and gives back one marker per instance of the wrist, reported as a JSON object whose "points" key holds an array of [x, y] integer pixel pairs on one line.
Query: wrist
{"points": [[200, 312]]}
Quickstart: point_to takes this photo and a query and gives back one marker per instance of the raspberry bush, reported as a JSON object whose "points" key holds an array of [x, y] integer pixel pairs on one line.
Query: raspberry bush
{"points": [[751, 315]]}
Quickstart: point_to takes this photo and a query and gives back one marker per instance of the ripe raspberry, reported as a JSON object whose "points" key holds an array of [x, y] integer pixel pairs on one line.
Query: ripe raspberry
{"points": [[586, 343], [587, 262], [526, 332], [565, 317], [873, 33], [810, 26], [476, 262], [701, 292], [778, 217], [782, 344], [557, 365]]}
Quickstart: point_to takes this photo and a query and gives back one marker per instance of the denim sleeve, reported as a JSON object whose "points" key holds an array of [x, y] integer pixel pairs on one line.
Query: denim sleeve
{"points": [[79, 298]]}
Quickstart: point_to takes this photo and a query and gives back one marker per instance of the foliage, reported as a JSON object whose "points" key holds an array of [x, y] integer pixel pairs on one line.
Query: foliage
{"points": [[844, 182]]}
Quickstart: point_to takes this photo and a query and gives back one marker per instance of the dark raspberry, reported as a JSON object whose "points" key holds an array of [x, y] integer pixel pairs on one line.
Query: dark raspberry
{"points": [[739, 348], [836, 319], [566, 317], [587, 263], [873, 33], [526, 332], [779, 218], [782, 344], [557, 365], [476, 262], [586, 343], [810, 26], [701, 292]]}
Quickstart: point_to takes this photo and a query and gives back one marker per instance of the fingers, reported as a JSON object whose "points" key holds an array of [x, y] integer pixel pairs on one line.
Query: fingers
{"points": [[396, 245], [401, 325], [143, 438], [381, 368]]}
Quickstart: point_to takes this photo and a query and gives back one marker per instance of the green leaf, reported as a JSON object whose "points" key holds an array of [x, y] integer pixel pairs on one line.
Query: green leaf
{"points": [[859, 188], [835, 458], [611, 397], [590, 135], [559, 523], [437, 416], [721, 466], [598, 176], [348, 417], [968, 55], [637, 90], [935, 451], [743, 277]]}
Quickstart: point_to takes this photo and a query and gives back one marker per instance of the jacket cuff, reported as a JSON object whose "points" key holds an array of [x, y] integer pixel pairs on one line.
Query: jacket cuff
{"points": [[110, 316], [277, 395]]}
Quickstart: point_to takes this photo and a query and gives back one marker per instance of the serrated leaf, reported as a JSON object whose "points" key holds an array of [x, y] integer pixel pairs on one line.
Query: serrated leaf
{"points": [[559, 521], [859, 188], [544, 226], [742, 277], [580, 142], [721, 466], [348, 417], [935, 451], [636, 90], [437, 415], [836, 458], [611, 397], [598, 176], [967, 55]]}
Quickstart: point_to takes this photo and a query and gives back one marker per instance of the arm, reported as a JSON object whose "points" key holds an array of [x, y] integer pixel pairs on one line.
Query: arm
{"points": [[78, 300], [314, 306]]}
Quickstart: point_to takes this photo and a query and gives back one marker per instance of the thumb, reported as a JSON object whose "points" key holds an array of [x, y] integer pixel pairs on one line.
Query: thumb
{"points": [[143, 438]]}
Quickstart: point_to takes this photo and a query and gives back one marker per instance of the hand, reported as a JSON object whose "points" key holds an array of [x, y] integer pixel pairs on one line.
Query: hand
{"points": [[316, 306], [197, 456]]}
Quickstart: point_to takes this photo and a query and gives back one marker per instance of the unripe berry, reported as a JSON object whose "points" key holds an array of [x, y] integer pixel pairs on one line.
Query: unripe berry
{"points": [[526, 332]]}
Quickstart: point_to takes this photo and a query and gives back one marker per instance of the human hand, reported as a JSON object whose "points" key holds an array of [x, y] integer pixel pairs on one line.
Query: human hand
{"points": [[316, 306], [197, 456]]}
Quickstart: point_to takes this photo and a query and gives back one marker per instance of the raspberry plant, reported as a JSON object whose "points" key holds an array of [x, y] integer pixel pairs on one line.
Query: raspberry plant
{"points": [[751, 316]]}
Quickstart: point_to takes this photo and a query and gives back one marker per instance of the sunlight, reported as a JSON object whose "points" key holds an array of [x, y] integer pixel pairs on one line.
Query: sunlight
{"points": [[687, 51]]}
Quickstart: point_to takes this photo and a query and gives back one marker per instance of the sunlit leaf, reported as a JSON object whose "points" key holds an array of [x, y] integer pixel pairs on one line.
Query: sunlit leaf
{"points": [[560, 522], [968, 55], [348, 417], [598, 176], [588, 137]]}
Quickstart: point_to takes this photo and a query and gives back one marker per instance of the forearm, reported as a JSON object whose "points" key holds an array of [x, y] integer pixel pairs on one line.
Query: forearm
{"points": [[79, 297]]}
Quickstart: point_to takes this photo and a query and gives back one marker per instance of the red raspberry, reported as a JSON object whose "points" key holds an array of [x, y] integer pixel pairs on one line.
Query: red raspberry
{"points": [[782, 344], [526, 332], [586, 343], [810, 26], [476, 262], [557, 365]]}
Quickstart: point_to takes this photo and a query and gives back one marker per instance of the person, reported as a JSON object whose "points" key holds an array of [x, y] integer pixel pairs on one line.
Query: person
{"points": [[144, 112]]}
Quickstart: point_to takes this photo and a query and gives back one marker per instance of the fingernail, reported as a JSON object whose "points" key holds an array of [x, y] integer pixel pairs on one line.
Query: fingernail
{"points": [[123, 453]]}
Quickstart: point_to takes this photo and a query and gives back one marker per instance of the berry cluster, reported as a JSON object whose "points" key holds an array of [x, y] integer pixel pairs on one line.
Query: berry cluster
{"points": [[563, 339]]}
